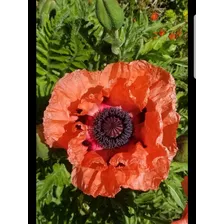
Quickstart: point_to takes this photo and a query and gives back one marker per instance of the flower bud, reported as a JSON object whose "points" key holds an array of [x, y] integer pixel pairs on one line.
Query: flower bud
{"points": [[109, 14]]}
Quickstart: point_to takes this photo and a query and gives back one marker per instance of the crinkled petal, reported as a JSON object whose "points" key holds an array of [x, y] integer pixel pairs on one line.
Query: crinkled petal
{"points": [[138, 169], [76, 150], [120, 96], [162, 99], [96, 182], [163, 96], [65, 98], [136, 178], [94, 160], [141, 168], [91, 101], [135, 154], [139, 91], [151, 131], [162, 88], [170, 125], [129, 81]]}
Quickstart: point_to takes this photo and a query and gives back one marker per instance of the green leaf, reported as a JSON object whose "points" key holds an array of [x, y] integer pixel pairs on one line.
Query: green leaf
{"points": [[178, 167], [40, 70], [145, 197], [159, 43], [115, 49], [153, 27], [176, 27], [154, 44], [172, 48], [175, 196], [131, 220], [147, 47], [41, 148], [45, 9], [157, 220], [170, 14], [60, 177], [79, 64], [59, 190]]}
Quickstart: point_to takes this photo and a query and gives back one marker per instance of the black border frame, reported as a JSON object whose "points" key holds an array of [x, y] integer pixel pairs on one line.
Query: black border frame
{"points": [[31, 112], [191, 115]]}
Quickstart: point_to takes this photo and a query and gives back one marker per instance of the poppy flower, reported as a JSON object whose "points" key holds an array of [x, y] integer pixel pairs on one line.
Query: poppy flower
{"points": [[118, 126], [184, 219], [154, 16], [172, 36], [162, 32]]}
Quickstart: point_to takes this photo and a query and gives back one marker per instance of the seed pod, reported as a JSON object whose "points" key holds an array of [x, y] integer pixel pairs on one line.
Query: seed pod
{"points": [[109, 14], [182, 154]]}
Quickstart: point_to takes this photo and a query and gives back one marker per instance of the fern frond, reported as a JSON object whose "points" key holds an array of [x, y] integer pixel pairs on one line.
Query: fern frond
{"points": [[60, 49]]}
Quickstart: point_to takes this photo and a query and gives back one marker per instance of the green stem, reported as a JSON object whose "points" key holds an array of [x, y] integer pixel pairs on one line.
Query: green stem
{"points": [[117, 38]]}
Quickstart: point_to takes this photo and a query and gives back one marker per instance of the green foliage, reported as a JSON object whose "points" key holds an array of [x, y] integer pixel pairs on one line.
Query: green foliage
{"points": [[182, 154], [69, 37], [49, 190], [170, 14], [41, 149], [60, 49], [59, 177]]}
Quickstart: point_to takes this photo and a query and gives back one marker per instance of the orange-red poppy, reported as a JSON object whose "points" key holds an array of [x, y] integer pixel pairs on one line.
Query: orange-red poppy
{"points": [[162, 32], [184, 219], [154, 16], [118, 126], [172, 36]]}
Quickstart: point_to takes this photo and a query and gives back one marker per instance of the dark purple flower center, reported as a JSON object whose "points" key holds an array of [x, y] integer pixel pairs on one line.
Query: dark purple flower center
{"points": [[112, 128]]}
